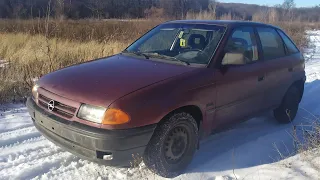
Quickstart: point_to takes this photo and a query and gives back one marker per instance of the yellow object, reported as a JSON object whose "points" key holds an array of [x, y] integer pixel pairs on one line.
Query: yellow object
{"points": [[115, 116], [180, 35], [182, 42]]}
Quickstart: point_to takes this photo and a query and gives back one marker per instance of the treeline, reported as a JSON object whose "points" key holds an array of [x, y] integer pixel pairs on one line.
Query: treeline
{"points": [[78, 9], [178, 9]]}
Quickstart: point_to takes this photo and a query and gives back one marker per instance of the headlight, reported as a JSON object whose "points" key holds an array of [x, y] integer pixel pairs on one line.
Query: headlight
{"points": [[35, 92], [102, 115]]}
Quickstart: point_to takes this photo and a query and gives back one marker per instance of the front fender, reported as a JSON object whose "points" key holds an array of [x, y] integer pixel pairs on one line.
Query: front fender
{"points": [[151, 104]]}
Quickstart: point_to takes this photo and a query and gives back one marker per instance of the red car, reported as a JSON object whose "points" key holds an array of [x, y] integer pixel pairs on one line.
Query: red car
{"points": [[167, 91]]}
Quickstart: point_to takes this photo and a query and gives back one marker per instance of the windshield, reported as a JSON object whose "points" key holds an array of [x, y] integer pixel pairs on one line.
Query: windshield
{"points": [[185, 43]]}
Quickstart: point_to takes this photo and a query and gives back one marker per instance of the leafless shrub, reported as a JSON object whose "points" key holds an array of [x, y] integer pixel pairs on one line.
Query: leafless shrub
{"points": [[81, 30], [306, 141], [307, 136], [205, 15], [138, 170], [293, 27], [154, 13]]}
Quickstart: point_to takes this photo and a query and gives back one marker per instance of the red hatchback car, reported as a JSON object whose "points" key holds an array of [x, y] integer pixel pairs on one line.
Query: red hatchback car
{"points": [[170, 89]]}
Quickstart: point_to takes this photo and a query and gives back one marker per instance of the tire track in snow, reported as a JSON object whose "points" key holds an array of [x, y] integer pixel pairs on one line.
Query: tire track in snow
{"points": [[32, 144], [39, 152], [32, 168], [16, 128], [55, 173], [18, 136], [21, 145], [83, 169], [19, 131]]}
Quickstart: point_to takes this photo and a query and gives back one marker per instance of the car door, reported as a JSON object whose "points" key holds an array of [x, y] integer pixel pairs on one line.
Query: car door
{"points": [[277, 65], [239, 81]]}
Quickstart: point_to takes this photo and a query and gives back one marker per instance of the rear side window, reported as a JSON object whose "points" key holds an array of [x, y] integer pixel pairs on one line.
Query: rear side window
{"points": [[291, 48], [272, 44]]}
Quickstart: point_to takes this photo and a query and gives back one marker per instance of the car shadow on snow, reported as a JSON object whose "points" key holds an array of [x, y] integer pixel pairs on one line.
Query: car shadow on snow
{"points": [[257, 141]]}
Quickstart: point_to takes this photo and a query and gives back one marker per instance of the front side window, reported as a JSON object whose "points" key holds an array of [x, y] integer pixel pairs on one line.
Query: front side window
{"points": [[241, 47], [272, 45], [179, 42], [291, 48]]}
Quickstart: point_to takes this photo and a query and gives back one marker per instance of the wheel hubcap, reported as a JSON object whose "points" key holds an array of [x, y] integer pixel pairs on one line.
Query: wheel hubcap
{"points": [[175, 144]]}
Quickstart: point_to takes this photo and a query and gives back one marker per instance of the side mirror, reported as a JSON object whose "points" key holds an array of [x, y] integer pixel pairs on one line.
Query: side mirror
{"points": [[233, 58]]}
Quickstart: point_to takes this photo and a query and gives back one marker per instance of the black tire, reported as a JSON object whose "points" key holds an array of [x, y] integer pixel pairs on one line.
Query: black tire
{"points": [[170, 135], [288, 109]]}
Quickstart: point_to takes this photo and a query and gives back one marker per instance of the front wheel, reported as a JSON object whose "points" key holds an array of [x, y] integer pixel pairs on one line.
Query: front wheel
{"points": [[288, 109], [172, 146]]}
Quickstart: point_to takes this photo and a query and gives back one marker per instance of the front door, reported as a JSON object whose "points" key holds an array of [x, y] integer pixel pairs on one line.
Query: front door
{"points": [[240, 82]]}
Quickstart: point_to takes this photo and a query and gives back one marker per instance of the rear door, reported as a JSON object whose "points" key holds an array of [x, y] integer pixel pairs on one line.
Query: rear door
{"points": [[277, 66], [239, 82]]}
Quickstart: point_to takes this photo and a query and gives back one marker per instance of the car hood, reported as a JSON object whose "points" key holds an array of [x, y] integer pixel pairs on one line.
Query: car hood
{"points": [[103, 81]]}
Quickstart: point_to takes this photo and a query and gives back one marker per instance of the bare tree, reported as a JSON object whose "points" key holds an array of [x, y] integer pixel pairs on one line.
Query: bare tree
{"points": [[59, 9], [288, 6], [97, 7], [273, 15], [17, 8]]}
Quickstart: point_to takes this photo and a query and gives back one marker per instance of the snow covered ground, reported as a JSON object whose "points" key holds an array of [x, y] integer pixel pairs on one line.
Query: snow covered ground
{"points": [[257, 149]]}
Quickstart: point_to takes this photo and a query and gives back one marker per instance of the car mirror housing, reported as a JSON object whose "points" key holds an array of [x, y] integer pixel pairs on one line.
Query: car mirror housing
{"points": [[233, 58]]}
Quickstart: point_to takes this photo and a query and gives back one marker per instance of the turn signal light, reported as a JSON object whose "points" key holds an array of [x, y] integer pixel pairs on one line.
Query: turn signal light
{"points": [[114, 117]]}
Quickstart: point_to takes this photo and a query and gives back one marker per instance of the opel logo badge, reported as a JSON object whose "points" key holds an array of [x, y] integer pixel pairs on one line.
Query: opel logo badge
{"points": [[51, 105]]}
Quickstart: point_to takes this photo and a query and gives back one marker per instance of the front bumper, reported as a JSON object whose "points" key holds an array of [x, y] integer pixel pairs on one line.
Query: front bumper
{"points": [[123, 146]]}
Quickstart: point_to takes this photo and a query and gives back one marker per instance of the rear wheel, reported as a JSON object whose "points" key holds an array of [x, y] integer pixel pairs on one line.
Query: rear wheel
{"points": [[288, 109], [172, 146]]}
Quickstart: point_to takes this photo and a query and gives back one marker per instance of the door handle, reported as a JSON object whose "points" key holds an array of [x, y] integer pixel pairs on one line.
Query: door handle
{"points": [[261, 78]]}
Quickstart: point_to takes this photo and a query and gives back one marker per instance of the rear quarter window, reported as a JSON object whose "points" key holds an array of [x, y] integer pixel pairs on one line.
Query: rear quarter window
{"points": [[272, 44], [291, 47]]}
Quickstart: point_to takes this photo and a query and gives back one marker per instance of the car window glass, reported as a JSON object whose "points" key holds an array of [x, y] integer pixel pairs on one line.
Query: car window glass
{"points": [[289, 44], [186, 44], [160, 41], [241, 47], [272, 45]]}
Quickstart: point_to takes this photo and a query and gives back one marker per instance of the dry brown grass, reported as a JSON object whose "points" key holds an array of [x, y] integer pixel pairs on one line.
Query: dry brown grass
{"points": [[31, 56], [37, 47], [309, 138], [82, 30], [205, 15]]}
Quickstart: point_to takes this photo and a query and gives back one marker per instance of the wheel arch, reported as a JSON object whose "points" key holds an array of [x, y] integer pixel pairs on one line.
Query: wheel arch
{"points": [[193, 110], [299, 84]]}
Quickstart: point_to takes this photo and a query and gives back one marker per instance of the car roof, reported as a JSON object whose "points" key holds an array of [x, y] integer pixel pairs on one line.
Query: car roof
{"points": [[227, 23]]}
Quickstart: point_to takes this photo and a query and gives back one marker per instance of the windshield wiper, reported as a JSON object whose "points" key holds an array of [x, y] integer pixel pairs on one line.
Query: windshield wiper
{"points": [[185, 62], [170, 57], [142, 54], [147, 56], [137, 53]]}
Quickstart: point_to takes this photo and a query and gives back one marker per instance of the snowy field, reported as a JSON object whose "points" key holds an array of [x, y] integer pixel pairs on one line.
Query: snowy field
{"points": [[257, 149]]}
